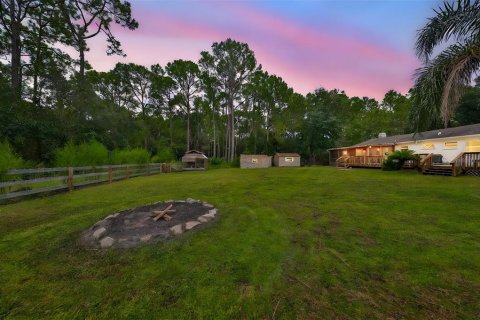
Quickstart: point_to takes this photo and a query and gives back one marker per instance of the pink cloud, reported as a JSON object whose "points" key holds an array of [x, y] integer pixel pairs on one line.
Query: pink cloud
{"points": [[305, 58], [307, 37]]}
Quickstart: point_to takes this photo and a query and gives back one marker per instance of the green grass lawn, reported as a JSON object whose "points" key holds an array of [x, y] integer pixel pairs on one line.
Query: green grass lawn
{"points": [[304, 243]]}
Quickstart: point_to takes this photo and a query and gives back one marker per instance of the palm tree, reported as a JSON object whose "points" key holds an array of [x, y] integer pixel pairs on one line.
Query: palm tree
{"points": [[441, 82]]}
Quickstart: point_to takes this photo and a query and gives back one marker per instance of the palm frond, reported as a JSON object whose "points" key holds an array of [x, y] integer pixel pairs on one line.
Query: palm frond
{"points": [[441, 82], [459, 20]]}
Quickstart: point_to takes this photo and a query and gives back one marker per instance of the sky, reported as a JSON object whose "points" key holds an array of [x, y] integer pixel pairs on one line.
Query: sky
{"points": [[365, 48]]}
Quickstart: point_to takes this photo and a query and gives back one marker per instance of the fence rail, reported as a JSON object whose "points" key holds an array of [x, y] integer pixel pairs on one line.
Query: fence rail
{"points": [[24, 182]]}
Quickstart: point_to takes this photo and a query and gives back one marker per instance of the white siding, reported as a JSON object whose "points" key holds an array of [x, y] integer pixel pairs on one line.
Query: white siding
{"points": [[439, 146]]}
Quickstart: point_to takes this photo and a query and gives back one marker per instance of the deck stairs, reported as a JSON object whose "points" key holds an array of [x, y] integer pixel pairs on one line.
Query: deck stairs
{"points": [[439, 170]]}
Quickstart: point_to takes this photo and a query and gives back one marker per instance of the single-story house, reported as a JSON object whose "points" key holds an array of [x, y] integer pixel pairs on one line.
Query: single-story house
{"points": [[194, 160], [456, 149], [286, 160], [255, 161]]}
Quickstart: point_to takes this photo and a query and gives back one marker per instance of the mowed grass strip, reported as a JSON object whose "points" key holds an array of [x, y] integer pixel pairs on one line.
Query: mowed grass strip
{"points": [[303, 243]]}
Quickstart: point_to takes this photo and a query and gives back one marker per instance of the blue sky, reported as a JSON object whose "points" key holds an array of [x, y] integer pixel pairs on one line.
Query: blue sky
{"points": [[363, 47]]}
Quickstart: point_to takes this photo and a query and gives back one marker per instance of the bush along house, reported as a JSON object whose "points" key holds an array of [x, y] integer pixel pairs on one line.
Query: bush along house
{"points": [[451, 151]]}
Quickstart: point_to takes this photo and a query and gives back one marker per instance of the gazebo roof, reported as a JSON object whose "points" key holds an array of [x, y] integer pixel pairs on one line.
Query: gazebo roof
{"points": [[193, 155]]}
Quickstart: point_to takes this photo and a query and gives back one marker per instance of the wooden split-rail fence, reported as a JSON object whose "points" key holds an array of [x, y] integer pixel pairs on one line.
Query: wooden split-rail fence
{"points": [[25, 182]]}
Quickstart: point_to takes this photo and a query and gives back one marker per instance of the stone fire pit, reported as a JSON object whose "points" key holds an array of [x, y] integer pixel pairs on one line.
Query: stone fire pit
{"points": [[158, 221]]}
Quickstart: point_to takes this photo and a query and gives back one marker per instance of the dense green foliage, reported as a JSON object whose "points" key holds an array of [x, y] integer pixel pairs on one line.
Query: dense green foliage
{"points": [[90, 153], [468, 111], [8, 158], [164, 155], [396, 159], [358, 244], [137, 155], [94, 153]]}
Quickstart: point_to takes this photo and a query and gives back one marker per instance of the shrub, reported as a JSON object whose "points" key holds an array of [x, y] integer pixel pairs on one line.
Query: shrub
{"points": [[217, 163], [8, 158], [65, 156], [133, 156], [91, 153], [164, 155], [396, 159]]}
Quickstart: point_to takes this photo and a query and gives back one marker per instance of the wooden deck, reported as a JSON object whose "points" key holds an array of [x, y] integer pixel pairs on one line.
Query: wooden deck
{"points": [[360, 161], [467, 163]]}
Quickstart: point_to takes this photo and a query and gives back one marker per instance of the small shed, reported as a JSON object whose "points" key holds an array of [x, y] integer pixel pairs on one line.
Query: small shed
{"points": [[286, 160], [194, 160], [255, 161]]}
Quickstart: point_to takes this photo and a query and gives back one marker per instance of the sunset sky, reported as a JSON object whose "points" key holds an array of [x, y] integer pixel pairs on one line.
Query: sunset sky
{"points": [[362, 47]]}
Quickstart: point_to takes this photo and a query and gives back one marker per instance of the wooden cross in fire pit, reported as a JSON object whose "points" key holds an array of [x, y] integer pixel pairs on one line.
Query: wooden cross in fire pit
{"points": [[163, 213]]}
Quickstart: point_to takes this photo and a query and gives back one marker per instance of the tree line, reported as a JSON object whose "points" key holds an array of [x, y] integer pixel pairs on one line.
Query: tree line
{"points": [[223, 104]]}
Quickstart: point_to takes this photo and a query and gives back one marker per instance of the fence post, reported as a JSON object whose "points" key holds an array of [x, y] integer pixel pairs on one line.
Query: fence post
{"points": [[128, 172], [110, 174], [148, 169], [70, 179]]}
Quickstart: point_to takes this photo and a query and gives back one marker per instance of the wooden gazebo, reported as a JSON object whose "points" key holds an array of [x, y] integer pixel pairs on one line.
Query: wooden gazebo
{"points": [[194, 160]]}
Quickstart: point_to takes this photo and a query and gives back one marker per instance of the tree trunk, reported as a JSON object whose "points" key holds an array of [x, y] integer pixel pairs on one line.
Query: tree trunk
{"points": [[254, 137], [81, 50], [214, 135], [36, 64], [171, 131], [16, 53], [188, 125], [231, 150], [227, 137]]}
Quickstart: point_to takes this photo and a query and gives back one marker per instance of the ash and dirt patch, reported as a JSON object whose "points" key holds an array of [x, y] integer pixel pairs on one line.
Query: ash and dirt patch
{"points": [[134, 227]]}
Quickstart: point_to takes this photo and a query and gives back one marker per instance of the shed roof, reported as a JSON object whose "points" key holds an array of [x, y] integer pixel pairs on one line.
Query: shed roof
{"points": [[254, 155], [287, 154], [468, 130]]}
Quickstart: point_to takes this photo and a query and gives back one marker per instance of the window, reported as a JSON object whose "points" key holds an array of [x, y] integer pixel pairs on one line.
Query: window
{"points": [[451, 145], [473, 146], [360, 152], [404, 148], [288, 159], [254, 160], [428, 146]]}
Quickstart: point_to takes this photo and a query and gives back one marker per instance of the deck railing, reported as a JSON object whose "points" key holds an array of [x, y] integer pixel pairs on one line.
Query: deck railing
{"points": [[24, 182], [342, 161], [465, 160], [457, 165], [426, 162], [360, 161], [367, 161]]}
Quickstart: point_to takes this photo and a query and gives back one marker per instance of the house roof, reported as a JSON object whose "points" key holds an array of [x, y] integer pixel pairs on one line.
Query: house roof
{"points": [[472, 129], [287, 154]]}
